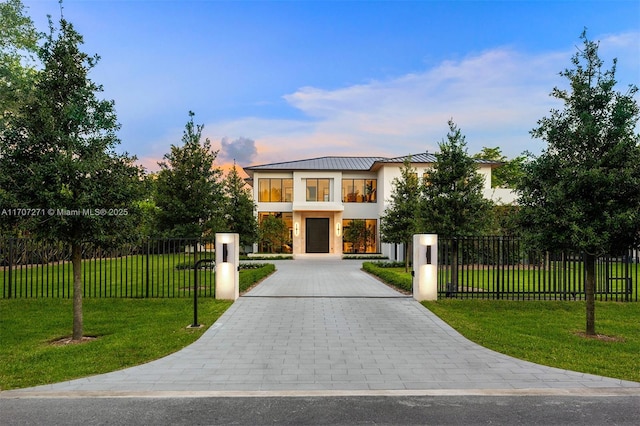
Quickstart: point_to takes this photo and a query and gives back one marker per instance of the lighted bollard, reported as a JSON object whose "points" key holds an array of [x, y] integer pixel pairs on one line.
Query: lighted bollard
{"points": [[425, 267], [227, 266]]}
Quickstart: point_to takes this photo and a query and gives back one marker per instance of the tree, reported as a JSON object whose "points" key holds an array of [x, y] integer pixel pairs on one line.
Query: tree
{"points": [[18, 49], [508, 173], [582, 193], [239, 208], [359, 234], [452, 202], [58, 154], [189, 193], [273, 233], [399, 220]]}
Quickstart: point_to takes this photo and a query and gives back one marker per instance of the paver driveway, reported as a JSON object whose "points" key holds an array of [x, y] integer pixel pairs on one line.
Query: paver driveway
{"points": [[319, 325]]}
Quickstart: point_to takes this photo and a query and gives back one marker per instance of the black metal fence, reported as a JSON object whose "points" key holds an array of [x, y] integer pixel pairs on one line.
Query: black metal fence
{"points": [[487, 268], [502, 268], [148, 268]]}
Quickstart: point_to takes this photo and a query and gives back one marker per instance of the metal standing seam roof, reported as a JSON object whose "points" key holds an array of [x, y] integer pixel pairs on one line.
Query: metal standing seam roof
{"points": [[348, 163], [322, 163]]}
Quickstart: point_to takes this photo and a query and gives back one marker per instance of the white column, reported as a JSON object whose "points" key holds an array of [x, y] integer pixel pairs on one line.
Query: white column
{"points": [[425, 267], [227, 263]]}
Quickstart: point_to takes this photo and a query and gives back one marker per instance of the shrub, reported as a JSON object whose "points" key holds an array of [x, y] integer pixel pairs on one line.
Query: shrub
{"points": [[394, 278], [250, 276]]}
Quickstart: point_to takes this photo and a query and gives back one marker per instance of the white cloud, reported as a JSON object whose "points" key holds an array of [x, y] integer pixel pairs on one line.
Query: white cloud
{"points": [[496, 97]]}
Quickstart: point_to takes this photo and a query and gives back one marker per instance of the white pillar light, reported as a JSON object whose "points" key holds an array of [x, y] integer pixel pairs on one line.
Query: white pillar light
{"points": [[425, 267], [227, 286]]}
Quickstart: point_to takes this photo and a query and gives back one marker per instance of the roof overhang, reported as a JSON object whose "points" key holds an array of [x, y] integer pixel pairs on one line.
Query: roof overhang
{"points": [[318, 206]]}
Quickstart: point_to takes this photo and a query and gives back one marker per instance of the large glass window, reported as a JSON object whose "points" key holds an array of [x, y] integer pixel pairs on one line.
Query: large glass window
{"points": [[318, 190], [359, 236], [276, 232], [275, 190], [359, 190]]}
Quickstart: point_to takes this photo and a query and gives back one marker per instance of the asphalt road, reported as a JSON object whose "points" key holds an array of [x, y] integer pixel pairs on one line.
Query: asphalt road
{"points": [[347, 410]]}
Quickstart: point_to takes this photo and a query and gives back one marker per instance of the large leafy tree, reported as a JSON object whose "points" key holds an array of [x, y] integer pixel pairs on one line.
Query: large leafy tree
{"points": [[58, 155], [18, 51], [507, 174], [452, 199], [189, 191], [452, 203], [582, 192], [400, 219], [239, 208]]}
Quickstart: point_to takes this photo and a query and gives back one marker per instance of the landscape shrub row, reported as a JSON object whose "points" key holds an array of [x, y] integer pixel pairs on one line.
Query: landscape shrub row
{"points": [[383, 271], [252, 273]]}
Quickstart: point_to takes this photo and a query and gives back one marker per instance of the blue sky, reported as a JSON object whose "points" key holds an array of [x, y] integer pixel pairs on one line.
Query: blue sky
{"points": [[284, 80]]}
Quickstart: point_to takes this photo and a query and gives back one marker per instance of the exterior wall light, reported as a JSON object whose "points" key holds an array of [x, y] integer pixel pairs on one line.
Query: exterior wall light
{"points": [[296, 229], [225, 253]]}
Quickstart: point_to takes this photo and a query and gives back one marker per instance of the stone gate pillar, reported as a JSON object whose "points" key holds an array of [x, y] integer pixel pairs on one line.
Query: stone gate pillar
{"points": [[425, 267], [227, 285]]}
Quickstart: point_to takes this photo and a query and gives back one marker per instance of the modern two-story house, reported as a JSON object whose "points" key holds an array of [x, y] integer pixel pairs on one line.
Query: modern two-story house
{"points": [[332, 205]]}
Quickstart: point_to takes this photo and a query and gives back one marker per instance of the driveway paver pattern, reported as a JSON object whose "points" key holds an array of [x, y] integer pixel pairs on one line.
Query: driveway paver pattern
{"points": [[319, 325]]}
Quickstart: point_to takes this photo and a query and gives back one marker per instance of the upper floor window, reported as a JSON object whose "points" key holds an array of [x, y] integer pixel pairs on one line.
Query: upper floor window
{"points": [[275, 190], [318, 190], [359, 190]]}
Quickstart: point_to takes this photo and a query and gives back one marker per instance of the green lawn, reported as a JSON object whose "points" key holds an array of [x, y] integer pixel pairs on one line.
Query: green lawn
{"points": [[544, 332], [129, 331], [514, 280], [126, 276], [548, 332], [519, 279]]}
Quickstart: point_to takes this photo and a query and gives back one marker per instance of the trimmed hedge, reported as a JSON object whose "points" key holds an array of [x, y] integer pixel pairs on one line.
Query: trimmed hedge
{"points": [[394, 278], [249, 277]]}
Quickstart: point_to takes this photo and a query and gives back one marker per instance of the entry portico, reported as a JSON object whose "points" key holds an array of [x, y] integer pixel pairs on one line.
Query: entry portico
{"points": [[316, 213]]}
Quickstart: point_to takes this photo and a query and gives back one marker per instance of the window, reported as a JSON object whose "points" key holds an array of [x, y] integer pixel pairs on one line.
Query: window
{"points": [[359, 236], [359, 190], [275, 190], [276, 230], [318, 190]]}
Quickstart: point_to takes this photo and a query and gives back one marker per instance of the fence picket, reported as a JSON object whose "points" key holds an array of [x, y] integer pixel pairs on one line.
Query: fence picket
{"points": [[501, 268]]}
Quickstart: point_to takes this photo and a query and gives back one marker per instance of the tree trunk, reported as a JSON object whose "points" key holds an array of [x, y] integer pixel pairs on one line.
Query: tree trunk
{"points": [[76, 261], [590, 290]]}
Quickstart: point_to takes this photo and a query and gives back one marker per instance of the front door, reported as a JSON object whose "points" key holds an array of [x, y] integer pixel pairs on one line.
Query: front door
{"points": [[317, 235]]}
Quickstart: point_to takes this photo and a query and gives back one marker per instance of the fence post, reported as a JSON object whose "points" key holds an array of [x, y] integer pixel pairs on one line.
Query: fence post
{"points": [[147, 269], [10, 268]]}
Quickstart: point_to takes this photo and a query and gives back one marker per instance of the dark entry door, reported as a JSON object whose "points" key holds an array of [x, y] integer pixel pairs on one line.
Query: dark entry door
{"points": [[317, 235]]}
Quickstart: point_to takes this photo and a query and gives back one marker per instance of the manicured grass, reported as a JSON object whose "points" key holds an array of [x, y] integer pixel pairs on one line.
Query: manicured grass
{"points": [[544, 332], [169, 275], [519, 280], [547, 332], [126, 276], [129, 331]]}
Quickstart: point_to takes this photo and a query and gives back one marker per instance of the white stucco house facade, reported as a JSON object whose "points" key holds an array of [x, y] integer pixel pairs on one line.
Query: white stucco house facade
{"points": [[321, 198]]}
